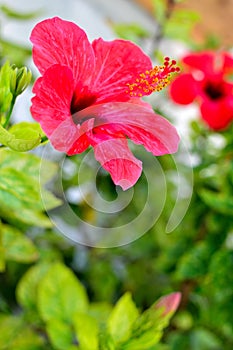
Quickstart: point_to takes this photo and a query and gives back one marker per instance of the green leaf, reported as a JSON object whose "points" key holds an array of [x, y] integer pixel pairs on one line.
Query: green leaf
{"points": [[194, 263], [29, 164], [61, 295], [148, 328], [10, 327], [220, 281], [122, 318], [20, 191], [205, 339], [101, 312], [15, 335], [5, 92], [14, 53], [9, 12], [159, 10], [30, 130], [106, 342], [19, 185], [21, 140], [220, 202], [181, 24], [27, 288], [17, 246], [144, 342], [2, 250], [20, 198], [60, 334], [86, 329], [132, 31]]}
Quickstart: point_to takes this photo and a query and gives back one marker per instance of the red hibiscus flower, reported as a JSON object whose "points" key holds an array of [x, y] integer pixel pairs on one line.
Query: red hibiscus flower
{"points": [[89, 94], [205, 80]]}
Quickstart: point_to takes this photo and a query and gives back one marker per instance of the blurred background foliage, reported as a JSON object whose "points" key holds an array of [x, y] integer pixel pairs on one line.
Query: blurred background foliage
{"points": [[43, 272]]}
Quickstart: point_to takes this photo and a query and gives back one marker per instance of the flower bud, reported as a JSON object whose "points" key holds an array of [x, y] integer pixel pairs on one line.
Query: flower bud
{"points": [[20, 79]]}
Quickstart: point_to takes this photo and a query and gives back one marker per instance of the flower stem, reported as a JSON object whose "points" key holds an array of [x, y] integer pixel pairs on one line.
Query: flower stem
{"points": [[10, 111]]}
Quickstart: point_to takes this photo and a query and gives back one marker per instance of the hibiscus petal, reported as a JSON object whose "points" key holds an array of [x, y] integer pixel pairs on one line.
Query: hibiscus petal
{"points": [[58, 41], [115, 157], [217, 114], [228, 63], [118, 62], [51, 108], [183, 89], [204, 61], [139, 123], [54, 92]]}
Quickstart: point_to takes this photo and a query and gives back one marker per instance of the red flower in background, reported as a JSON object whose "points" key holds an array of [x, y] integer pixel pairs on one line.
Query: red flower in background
{"points": [[205, 79], [90, 94]]}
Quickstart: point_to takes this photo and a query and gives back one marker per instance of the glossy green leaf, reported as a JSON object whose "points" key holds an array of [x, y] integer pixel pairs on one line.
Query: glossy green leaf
{"points": [[28, 164], [220, 202], [194, 263], [148, 328], [5, 93], [17, 246], [219, 279], [101, 312], [86, 329], [61, 295], [106, 342], [21, 139], [2, 250], [60, 334], [27, 288], [20, 198], [15, 335], [143, 342], [20, 192], [19, 185], [20, 128], [122, 318]]}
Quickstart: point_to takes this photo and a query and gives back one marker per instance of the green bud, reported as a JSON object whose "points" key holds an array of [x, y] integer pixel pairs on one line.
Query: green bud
{"points": [[20, 79], [13, 78]]}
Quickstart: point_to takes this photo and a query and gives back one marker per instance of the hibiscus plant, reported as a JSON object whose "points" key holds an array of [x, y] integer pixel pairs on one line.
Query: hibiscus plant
{"points": [[93, 182]]}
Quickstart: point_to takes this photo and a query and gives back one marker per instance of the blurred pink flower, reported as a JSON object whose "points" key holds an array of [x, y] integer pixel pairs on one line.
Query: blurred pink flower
{"points": [[206, 80], [90, 94]]}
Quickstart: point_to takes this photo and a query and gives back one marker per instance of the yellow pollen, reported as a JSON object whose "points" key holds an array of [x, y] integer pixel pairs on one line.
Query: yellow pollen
{"points": [[152, 80]]}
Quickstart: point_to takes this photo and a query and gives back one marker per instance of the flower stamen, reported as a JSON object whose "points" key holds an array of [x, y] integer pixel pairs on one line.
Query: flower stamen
{"points": [[153, 80]]}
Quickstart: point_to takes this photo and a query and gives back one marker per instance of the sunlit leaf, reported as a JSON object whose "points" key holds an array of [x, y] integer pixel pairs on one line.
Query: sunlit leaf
{"points": [[220, 202], [27, 287], [61, 295], [17, 246], [15, 335], [86, 329], [122, 317], [20, 139], [60, 334]]}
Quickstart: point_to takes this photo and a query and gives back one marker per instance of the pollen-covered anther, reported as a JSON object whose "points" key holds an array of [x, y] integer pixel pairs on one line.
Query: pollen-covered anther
{"points": [[153, 80]]}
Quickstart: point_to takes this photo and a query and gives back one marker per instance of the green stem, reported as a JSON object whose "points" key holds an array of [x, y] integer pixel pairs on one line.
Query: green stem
{"points": [[10, 111], [156, 40]]}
